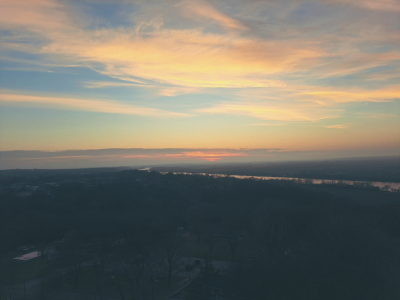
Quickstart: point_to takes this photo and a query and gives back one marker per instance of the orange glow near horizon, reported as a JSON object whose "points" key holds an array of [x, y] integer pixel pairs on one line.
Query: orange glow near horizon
{"points": [[212, 156]]}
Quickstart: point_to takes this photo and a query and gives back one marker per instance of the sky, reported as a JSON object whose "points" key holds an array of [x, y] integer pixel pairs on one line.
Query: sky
{"points": [[87, 83]]}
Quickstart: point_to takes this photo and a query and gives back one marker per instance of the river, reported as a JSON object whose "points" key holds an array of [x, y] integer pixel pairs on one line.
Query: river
{"points": [[392, 185]]}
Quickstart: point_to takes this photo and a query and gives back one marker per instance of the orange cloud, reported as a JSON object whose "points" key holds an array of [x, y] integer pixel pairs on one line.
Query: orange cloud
{"points": [[44, 17], [187, 58], [340, 126], [329, 96], [81, 104], [273, 112]]}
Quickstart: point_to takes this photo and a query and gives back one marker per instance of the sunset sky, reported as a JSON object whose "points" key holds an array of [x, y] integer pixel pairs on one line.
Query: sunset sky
{"points": [[112, 83]]}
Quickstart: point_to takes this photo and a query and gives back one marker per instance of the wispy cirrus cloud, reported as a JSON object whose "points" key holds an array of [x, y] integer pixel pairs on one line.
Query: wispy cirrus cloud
{"points": [[372, 115], [188, 58], [107, 84], [274, 112], [184, 57], [166, 91], [381, 5], [267, 124], [301, 103], [329, 96], [356, 63], [339, 126], [39, 16], [82, 104], [203, 9]]}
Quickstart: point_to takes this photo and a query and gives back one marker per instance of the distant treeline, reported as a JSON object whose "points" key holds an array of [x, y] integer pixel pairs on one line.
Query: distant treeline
{"points": [[371, 169], [50, 175]]}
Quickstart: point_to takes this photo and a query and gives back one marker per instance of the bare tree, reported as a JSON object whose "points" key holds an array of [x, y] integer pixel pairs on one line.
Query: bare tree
{"points": [[234, 238], [232, 228], [9, 285], [117, 279], [73, 257], [272, 233], [153, 265], [172, 259], [100, 260], [44, 287], [133, 268], [210, 238], [195, 217], [138, 266]]}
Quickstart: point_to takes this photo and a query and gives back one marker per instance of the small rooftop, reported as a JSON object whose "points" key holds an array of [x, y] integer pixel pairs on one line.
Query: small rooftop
{"points": [[28, 256]]}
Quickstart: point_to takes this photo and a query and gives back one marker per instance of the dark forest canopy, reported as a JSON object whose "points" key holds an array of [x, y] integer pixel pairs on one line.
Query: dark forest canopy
{"points": [[285, 240]]}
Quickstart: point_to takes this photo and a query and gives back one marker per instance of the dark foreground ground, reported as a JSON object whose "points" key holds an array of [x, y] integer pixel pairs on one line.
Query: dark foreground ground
{"points": [[129, 234]]}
